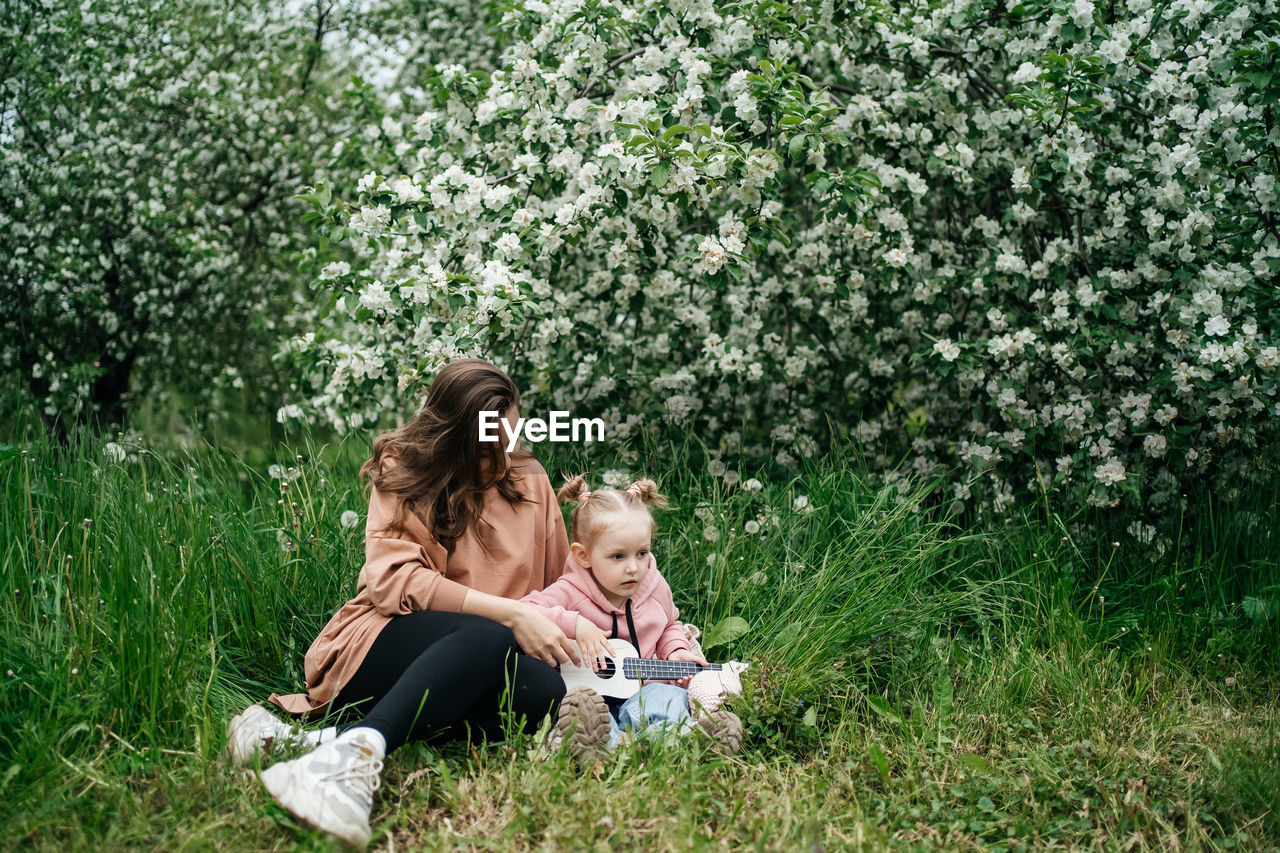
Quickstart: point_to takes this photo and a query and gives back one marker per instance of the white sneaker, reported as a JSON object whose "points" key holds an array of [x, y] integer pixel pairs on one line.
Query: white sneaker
{"points": [[254, 732], [331, 787]]}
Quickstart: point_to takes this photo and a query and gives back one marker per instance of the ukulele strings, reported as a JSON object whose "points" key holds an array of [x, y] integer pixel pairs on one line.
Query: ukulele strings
{"points": [[661, 669]]}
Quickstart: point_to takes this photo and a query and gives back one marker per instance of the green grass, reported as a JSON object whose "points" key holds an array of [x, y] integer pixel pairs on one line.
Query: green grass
{"points": [[913, 684]]}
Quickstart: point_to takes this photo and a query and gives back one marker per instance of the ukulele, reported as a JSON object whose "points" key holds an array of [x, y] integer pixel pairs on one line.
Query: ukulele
{"points": [[622, 674]]}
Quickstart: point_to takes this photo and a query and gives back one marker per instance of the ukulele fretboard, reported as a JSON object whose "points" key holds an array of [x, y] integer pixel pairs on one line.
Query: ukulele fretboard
{"points": [[664, 670]]}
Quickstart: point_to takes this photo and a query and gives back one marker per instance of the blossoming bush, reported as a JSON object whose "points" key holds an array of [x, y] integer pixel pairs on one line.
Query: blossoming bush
{"points": [[1034, 241], [149, 152]]}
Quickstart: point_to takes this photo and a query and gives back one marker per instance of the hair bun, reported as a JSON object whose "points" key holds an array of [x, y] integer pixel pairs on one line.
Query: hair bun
{"points": [[647, 491]]}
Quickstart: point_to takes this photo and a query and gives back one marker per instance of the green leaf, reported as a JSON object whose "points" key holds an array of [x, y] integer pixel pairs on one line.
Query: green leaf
{"points": [[673, 130], [810, 720], [725, 631], [1260, 609], [328, 307], [879, 761], [787, 636], [975, 762], [883, 708], [943, 695], [658, 179], [795, 147]]}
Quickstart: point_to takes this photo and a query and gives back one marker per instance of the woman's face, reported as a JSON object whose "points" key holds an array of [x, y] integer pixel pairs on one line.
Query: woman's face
{"points": [[511, 416]]}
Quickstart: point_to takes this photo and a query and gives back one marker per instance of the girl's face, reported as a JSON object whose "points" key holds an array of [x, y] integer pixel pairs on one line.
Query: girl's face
{"points": [[619, 556]]}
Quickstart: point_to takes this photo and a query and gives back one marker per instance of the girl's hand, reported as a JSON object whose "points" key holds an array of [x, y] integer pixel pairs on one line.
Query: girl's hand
{"points": [[687, 655], [592, 642], [541, 638]]}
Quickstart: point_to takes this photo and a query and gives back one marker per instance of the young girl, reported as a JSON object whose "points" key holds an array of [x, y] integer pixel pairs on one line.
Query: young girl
{"points": [[611, 584]]}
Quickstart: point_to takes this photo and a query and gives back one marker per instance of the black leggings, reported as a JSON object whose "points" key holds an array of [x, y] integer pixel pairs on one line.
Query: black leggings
{"points": [[434, 675]]}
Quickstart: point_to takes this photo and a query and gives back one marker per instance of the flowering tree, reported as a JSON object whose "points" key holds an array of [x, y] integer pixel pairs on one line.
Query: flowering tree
{"points": [[149, 152], [1037, 242]]}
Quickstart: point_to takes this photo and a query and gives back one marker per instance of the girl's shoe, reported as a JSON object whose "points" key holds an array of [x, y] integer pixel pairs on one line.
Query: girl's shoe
{"points": [[254, 732], [332, 786], [583, 724], [723, 730]]}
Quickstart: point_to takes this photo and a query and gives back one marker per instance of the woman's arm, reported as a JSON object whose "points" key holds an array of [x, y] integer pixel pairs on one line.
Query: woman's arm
{"points": [[400, 575], [560, 603], [537, 635]]}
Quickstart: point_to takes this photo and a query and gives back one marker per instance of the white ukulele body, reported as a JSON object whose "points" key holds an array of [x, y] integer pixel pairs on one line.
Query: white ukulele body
{"points": [[626, 671]]}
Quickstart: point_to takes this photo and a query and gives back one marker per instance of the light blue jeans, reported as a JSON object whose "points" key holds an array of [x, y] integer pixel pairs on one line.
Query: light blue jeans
{"points": [[658, 709]]}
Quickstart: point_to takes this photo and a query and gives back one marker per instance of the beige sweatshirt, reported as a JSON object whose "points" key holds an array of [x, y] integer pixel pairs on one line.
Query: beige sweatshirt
{"points": [[527, 549]]}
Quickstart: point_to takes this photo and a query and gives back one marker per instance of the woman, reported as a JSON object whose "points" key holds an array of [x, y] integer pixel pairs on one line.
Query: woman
{"points": [[431, 645]]}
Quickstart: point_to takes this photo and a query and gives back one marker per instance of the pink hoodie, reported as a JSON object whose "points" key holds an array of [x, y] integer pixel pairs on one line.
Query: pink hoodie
{"points": [[652, 610]]}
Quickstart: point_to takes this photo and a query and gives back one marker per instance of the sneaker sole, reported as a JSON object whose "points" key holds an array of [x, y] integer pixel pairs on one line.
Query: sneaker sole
{"points": [[723, 730], [583, 722]]}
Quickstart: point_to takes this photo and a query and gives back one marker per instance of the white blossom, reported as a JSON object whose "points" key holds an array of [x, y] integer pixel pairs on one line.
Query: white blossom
{"points": [[1109, 472], [948, 350]]}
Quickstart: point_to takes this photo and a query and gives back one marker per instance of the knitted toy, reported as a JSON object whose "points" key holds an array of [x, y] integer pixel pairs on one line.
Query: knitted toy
{"points": [[708, 690]]}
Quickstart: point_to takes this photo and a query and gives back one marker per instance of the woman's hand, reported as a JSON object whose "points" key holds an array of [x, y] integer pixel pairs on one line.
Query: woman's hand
{"points": [[541, 638], [537, 635], [592, 642], [687, 655]]}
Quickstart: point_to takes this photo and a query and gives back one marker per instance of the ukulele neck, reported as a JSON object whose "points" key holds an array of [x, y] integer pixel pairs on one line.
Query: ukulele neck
{"points": [[664, 670]]}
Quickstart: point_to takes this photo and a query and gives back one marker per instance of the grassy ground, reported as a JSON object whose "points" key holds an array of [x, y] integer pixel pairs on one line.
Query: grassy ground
{"points": [[912, 685]]}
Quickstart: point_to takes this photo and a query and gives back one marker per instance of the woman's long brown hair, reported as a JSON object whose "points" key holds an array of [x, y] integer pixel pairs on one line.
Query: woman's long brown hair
{"points": [[440, 475]]}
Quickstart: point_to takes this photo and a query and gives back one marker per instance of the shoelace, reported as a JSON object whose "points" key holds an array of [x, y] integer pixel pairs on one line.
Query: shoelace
{"points": [[362, 778]]}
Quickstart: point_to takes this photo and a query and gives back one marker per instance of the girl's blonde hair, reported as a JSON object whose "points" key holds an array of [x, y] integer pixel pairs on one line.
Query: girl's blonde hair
{"points": [[591, 516]]}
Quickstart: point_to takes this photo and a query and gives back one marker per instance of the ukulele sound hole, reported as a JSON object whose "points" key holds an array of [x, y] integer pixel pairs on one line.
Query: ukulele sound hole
{"points": [[608, 669]]}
